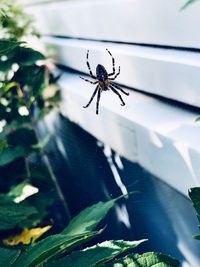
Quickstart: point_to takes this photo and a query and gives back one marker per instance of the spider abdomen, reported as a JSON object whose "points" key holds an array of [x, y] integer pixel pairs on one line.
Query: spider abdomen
{"points": [[101, 73]]}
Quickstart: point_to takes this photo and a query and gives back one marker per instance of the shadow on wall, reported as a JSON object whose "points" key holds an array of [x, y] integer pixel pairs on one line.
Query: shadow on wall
{"points": [[90, 171]]}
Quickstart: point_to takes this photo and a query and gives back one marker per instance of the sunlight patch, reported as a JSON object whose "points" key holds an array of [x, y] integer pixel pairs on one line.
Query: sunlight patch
{"points": [[27, 191]]}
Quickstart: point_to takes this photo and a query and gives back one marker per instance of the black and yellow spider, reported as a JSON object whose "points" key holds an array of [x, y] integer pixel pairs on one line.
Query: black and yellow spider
{"points": [[103, 82]]}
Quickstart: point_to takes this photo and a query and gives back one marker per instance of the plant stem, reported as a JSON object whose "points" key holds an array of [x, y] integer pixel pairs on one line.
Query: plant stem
{"points": [[51, 172], [27, 169]]}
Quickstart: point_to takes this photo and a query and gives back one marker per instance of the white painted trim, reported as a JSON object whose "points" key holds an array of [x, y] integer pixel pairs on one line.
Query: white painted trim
{"points": [[170, 73], [137, 21], [162, 138], [37, 2]]}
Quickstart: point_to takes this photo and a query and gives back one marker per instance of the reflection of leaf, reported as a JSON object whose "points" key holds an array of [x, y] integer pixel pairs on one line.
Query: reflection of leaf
{"points": [[149, 259], [95, 255], [26, 237], [194, 194], [8, 256], [189, 2], [11, 214]]}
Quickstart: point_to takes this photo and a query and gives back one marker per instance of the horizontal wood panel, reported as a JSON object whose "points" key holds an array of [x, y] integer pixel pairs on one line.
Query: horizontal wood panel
{"points": [[165, 72], [38, 2], [162, 138], [137, 21]]}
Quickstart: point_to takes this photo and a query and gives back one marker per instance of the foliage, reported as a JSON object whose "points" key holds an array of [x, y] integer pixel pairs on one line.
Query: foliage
{"points": [[97, 255], [60, 246], [8, 256], [7, 46], [12, 214], [149, 259], [15, 23], [21, 90], [24, 78], [194, 194]]}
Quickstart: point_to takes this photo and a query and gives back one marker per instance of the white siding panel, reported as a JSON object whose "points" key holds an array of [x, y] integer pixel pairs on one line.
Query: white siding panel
{"points": [[164, 139], [170, 73], [137, 21], [36, 2]]}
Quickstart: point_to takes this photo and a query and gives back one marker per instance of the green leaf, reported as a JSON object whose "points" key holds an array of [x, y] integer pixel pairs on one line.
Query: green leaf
{"points": [[43, 142], [189, 2], [7, 87], [8, 155], [22, 191], [25, 56], [5, 66], [33, 76], [8, 256], [16, 190], [41, 202], [149, 259], [89, 218], [194, 194], [196, 237], [40, 252], [7, 45], [13, 126], [43, 112], [98, 254], [11, 214], [3, 112], [197, 119], [24, 138], [3, 145], [2, 12]]}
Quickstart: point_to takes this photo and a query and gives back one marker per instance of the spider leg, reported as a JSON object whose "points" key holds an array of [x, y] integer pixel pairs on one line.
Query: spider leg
{"points": [[117, 87], [113, 63], [117, 93], [98, 99], [115, 75], [88, 65], [88, 80], [93, 95]]}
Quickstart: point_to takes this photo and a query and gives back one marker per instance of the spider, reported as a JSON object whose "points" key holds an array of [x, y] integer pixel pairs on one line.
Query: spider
{"points": [[103, 81]]}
